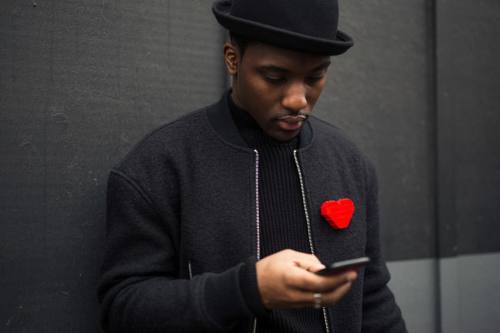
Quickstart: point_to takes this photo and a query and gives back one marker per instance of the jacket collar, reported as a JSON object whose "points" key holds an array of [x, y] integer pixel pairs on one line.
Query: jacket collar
{"points": [[221, 120]]}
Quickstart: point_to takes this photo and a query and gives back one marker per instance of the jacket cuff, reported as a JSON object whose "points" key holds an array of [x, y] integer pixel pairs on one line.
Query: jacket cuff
{"points": [[250, 289], [224, 302]]}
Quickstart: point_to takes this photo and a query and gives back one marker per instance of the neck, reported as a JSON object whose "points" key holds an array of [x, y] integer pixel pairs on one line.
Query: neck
{"points": [[250, 130]]}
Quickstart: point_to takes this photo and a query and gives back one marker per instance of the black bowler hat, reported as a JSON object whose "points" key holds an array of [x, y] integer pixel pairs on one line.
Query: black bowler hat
{"points": [[303, 25]]}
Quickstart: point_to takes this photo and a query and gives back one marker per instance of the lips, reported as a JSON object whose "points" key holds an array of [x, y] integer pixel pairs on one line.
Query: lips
{"points": [[291, 123]]}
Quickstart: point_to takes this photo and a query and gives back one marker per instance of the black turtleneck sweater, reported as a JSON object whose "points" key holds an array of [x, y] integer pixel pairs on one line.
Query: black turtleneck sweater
{"points": [[282, 219]]}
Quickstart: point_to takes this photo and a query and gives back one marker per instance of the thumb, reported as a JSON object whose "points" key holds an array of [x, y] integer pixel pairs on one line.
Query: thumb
{"points": [[309, 262]]}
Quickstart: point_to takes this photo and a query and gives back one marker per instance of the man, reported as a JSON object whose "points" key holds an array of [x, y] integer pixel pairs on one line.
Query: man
{"points": [[220, 220]]}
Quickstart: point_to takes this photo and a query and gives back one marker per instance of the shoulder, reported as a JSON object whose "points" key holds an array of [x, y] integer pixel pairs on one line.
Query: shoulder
{"points": [[336, 149], [167, 143], [335, 140], [178, 130]]}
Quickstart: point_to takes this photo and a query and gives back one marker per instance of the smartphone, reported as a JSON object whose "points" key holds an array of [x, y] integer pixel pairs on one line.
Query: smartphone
{"points": [[346, 265]]}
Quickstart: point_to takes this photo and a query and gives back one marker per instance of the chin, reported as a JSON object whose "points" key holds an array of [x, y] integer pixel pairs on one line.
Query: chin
{"points": [[284, 136]]}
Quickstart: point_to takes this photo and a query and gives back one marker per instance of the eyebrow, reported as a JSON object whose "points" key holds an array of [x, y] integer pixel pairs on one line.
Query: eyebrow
{"points": [[273, 68], [322, 66]]}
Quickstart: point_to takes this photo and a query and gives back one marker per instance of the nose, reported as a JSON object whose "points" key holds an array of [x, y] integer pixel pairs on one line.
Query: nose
{"points": [[294, 98]]}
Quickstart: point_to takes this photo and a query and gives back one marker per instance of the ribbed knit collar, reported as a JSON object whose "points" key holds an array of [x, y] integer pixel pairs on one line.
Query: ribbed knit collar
{"points": [[251, 132]]}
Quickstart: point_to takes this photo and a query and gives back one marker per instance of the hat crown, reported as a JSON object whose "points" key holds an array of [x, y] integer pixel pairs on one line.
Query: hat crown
{"points": [[302, 25], [317, 18]]}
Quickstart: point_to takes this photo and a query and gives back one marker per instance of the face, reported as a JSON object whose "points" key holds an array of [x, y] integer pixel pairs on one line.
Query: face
{"points": [[278, 87]]}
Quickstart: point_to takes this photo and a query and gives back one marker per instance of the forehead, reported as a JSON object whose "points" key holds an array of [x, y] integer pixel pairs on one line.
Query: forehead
{"points": [[265, 55]]}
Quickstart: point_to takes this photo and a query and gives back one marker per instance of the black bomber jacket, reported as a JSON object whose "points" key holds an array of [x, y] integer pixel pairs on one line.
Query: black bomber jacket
{"points": [[182, 222]]}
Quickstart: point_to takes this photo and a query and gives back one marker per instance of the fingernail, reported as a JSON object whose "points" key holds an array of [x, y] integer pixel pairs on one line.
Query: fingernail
{"points": [[351, 276]]}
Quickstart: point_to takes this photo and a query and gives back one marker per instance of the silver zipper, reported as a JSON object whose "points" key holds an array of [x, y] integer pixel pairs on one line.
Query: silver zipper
{"points": [[257, 208], [257, 218], [304, 203], [190, 271], [308, 221]]}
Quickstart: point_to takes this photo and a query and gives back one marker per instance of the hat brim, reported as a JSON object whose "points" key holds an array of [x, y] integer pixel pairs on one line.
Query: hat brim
{"points": [[279, 37]]}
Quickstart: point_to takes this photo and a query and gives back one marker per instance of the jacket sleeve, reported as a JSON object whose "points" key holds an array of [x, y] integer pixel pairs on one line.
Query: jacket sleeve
{"points": [[380, 311], [140, 289]]}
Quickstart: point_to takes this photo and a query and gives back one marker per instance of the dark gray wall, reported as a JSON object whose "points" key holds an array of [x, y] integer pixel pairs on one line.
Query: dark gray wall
{"points": [[82, 81], [468, 105]]}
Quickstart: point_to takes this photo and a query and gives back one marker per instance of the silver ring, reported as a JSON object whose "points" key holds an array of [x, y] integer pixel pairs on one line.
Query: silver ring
{"points": [[318, 300]]}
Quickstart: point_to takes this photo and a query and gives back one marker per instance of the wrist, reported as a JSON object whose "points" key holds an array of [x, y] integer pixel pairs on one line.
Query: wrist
{"points": [[250, 289]]}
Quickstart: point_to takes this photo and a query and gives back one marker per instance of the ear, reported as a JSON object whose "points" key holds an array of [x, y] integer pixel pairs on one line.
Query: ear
{"points": [[231, 58]]}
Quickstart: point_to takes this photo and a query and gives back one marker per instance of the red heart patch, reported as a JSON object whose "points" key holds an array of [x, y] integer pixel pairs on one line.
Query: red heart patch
{"points": [[338, 213]]}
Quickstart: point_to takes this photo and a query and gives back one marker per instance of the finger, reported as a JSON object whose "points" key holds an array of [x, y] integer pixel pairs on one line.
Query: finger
{"points": [[316, 268], [301, 299], [311, 282], [332, 282], [297, 299], [310, 265], [309, 262], [334, 296]]}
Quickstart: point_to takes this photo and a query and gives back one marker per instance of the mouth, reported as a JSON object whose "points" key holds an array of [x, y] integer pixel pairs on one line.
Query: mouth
{"points": [[291, 123]]}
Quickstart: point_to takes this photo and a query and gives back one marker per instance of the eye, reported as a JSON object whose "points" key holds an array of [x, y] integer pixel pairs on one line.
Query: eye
{"points": [[274, 79], [311, 80]]}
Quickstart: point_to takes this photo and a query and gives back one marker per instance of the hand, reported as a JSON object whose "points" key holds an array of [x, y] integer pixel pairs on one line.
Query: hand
{"points": [[287, 279]]}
